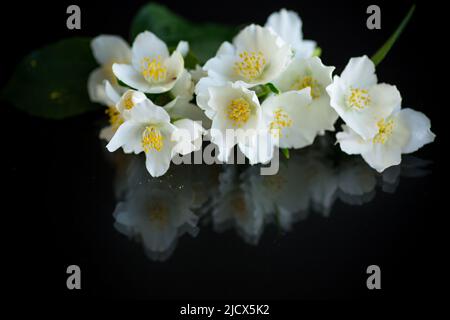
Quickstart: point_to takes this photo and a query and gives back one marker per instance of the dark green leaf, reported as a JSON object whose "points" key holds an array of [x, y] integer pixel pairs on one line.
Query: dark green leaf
{"points": [[52, 82], [286, 153], [383, 51], [273, 88], [204, 39]]}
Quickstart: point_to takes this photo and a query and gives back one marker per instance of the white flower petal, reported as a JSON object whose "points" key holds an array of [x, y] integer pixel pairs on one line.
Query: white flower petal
{"points": [[305, 49], [420, 129], [291, 106], [360, 73], [183, 48], [111, 93], [127, 74], [184, 87], [96, 88], [259, 148], [148, 113], [158, 162], [350, 142], [148, 45], [128, 136], [226, 48], [381, 157], [385, 99], [108, 49], [288, 25], [187, 134]]}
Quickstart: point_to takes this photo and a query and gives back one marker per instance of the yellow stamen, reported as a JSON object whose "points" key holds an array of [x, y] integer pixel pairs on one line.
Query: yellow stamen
{"points": [[115, 119], [385, 129], [281, 120], [153, 70], [358, 99], [152, 139], [251, 65], [306, 82], [239, 111], [128, 100]]}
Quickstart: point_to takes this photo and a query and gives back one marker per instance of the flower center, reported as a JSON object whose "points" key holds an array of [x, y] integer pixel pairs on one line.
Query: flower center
{"points": [[281, 120], [152, 139], [153, 70], [358, 99], [306, 82], [239, 111], [115, 118], [251, 64], [158, 214], [385, 129], [128, 100]]}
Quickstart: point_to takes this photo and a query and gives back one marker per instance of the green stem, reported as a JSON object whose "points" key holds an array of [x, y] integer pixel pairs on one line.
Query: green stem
{"points": [[383, 51]]}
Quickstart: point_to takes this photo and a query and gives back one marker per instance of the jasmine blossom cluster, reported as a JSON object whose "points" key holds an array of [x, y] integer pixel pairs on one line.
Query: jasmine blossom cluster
{"points": [[265, 90]]}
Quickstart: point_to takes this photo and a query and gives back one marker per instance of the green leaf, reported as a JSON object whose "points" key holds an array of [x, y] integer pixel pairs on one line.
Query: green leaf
{"points": [[52, 82], [383, 51], [285, 151], [204, 39], [273, 88]]}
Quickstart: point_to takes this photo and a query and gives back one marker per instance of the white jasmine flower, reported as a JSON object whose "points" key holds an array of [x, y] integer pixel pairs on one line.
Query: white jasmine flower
{"points": [[312, 73], [257, 56], [288, 25], [149, 130], [405, 131], [107, 50], [359, 100], [126, 102], [237, 119], [152, 69], [288, 120], [118, 108]]}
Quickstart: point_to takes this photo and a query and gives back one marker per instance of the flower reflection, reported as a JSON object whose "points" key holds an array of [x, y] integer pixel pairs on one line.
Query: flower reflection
{"points": [[155, 212], [158, 211]]}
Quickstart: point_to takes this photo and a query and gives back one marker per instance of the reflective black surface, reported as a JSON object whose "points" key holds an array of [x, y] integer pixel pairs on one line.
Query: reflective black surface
{"points": [[224, 231]]}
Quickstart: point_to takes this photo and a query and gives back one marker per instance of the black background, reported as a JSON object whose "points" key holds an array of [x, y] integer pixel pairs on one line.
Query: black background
{"points": [[59, 196]]}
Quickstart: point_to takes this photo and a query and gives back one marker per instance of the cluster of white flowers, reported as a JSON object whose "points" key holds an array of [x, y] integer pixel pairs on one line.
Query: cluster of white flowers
{"points": [[263, 91]]}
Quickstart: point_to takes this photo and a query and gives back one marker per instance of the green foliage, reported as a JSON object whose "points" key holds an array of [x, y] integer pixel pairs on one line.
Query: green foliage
{"points": [[204, 39], [52, 82], [285, 152], [383, 51]]}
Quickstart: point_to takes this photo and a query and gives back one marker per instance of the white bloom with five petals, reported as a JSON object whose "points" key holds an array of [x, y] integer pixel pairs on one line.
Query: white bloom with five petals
{"points": [[359, 100], [119, 107], [405, 131], [288, 119], [257, 56], [237, 119], [311, 73], [149, 130], [152, 69]]}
